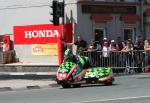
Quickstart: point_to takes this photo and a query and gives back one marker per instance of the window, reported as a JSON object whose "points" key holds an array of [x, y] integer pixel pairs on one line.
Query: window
{"points": [[129, 33], [100, 33]]}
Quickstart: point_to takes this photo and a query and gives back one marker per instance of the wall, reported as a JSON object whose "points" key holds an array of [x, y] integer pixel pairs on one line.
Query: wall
{"points": [[84, 25], [25, 12]]}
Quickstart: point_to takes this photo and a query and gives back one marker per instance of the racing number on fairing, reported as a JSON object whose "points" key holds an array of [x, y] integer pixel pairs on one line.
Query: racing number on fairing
{"points": [[62, 75]]}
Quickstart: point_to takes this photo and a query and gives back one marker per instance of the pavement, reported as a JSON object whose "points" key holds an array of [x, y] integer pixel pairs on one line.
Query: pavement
{"points": [[26, 76], [12, 81], [26, 84]]}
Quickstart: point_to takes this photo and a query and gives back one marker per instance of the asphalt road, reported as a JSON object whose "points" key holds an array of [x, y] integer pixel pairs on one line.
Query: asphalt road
{"points": [[126, 89]]}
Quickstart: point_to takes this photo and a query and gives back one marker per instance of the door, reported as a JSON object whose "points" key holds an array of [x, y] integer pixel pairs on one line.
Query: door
{"points": [[100, 33], [129, 33]]}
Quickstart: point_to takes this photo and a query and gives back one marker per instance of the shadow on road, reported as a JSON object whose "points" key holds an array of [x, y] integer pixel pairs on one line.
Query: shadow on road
{"points": [[91, 85]]}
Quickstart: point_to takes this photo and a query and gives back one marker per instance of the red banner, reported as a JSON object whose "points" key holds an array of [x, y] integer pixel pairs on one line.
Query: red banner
{"points": [[41, 34], [68, 33]]}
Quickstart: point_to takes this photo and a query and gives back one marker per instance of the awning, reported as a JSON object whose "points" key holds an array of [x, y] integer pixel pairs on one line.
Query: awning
{"points": [[130, 18], [147, 12], [94, 2], [101, 17]]}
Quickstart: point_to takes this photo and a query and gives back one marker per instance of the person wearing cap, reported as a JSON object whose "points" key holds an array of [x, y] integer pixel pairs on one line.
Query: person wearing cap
{"points": [[112, 46], [105, 40], [113, 54], [105, 53]]}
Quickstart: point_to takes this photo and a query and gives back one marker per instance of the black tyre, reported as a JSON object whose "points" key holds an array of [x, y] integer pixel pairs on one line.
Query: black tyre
{"points": [[65, 85], [76, 85], [108, 83]]}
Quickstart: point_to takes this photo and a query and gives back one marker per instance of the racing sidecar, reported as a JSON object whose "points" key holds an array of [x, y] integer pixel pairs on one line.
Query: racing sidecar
{"points": [[67, 75]]}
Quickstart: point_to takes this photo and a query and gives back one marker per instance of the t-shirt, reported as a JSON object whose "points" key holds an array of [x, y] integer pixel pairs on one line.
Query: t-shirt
{"points": [[147, 46], [105, 52], [5, 47]]}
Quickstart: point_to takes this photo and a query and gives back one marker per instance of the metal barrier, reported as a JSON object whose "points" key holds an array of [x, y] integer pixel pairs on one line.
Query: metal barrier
{"points": [[119, 60]]}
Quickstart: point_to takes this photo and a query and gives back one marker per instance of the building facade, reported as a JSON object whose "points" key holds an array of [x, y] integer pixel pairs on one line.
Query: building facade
{"points": [[92, 19], [112, 18]]}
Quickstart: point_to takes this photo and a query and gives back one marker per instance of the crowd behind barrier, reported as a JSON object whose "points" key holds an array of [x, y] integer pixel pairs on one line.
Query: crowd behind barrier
{"points": [[136, 60], [116, 53]]}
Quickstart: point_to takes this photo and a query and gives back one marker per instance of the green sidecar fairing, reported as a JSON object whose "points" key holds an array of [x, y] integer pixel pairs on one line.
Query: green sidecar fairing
{"points": [[96, 72]]}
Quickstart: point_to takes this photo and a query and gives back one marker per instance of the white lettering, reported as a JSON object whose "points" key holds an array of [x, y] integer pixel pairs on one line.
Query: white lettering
{"points": [[35, 34], [41, 33], [27, 34], [49, 33], [55, 34]]}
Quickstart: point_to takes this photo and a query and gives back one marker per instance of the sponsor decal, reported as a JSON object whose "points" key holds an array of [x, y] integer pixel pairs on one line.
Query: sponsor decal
{"points": [[41, 34], [38, 49], [45, 49], [37, 34]]}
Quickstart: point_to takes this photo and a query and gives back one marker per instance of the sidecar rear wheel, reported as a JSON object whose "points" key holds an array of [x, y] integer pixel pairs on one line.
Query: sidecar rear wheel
{"points": [[108, 83], [76, 85], [65, 85]]}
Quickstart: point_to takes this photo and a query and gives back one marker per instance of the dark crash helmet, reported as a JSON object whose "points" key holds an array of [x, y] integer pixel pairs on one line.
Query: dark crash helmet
{"points": [[68, 54]]}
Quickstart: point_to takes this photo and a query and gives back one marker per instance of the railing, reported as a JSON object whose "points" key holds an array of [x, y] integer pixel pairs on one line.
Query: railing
{"points": [[119, 60]]}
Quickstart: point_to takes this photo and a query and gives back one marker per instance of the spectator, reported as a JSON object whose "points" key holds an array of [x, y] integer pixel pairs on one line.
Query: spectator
{"points": [[139, 46], [138, 55], [112, 46], [147, 52], [119, 44], [139, 39], [92, 46], [64, 45], [98, 46], [92, 51], [113, 54], [81, 45], [105, 53], [128, 54], [132, 44], [5, 46], [104, 40], [1, 46], [128, 47], [147, 45]]}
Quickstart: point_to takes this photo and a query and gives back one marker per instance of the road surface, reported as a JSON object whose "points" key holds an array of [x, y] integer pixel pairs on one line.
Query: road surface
{"points": [[126, 89]]}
